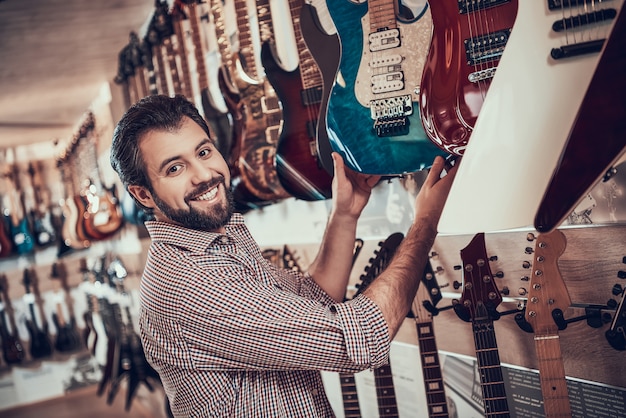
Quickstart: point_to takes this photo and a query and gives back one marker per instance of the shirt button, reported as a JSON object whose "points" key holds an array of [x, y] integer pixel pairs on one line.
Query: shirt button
{"points": [[224, 239]]}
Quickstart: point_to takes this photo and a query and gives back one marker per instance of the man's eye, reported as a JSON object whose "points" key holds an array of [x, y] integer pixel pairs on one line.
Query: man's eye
{"points": [[205, 152], [173, 169]]}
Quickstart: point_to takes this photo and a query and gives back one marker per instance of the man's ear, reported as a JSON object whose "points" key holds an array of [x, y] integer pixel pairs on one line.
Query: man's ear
{"points": [[142, 195]]}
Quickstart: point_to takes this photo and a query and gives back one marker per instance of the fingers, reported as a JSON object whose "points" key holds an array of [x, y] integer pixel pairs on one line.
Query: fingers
{"points": [[434, 174]]}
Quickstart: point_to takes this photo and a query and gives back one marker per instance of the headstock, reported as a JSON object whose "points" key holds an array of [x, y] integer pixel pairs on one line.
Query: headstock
{"points": [[480, 296], [547, 292], [380, 261], [616, 334]]}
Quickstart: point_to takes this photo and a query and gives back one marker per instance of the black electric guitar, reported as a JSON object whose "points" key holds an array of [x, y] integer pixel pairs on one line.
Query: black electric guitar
{"points": [[68, 337], [129, 360], [428, 295], [383, 376], [547, 296], [36, 323], [12, 349], [477, 305]]}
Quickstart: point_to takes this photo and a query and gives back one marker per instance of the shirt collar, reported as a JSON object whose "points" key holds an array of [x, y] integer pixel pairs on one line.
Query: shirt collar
{"points": [[190, 239]]}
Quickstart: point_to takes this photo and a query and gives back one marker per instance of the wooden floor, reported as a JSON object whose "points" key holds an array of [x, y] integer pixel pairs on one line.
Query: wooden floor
{"points": [[86, 403]]}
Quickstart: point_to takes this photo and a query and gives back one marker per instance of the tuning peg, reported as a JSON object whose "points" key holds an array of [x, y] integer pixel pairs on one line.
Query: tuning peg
{"points": [[493, 258], [456, 284], [529, 250], [621, 274], [499, 274], [617, 289], [526, 264], [530, 237], [458, 267]]}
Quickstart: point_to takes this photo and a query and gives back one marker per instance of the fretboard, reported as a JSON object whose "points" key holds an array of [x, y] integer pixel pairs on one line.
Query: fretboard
{"points": [[385, 392], [351, 407], [431, 370], [552, 376], [489, 369]]}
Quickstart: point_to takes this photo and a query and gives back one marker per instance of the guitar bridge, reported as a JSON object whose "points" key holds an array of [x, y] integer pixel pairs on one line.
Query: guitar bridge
{"points": [[481, 75], [391, 115]]}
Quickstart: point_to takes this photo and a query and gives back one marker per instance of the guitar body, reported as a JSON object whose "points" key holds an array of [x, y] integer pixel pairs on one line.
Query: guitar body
{"points": [[385, 138], [525, 121], [576, 173], [40, 343], [450, 102], [255, 162], [67, 338], [299, 170], [12, 349], [103, 215], [219, 122], [326, 50], [6, 247], [23, 241]]}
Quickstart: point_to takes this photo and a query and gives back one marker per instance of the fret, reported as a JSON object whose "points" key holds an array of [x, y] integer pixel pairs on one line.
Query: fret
{"points": [[246, 46], [309, 71], [183, 50], [382, 15]]}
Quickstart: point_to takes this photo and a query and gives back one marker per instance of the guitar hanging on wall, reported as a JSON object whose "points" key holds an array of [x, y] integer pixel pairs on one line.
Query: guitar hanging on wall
{"points": [[468, 40], [36, 323], [477, 305], [383, 376], [373, 113], [527, 116], [428, 295], [12, 349], [547, 297], [300, 91]]}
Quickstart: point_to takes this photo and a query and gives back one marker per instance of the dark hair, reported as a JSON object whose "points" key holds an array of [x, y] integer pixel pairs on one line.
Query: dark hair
{"points": [[152, 113]]}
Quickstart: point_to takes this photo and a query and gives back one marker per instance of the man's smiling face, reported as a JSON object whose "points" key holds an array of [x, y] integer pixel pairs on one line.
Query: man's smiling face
{"points": [[190, 180]]}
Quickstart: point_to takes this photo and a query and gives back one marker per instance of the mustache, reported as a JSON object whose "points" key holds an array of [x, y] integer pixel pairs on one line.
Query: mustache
{"points": [[205, 187]]}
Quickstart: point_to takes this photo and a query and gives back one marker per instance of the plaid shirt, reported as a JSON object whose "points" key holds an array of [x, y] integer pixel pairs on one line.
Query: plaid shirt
{"points": [[232, 335]]}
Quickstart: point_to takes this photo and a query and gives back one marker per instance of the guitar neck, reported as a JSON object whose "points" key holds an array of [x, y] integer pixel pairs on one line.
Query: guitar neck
{"points": [[385, 392], [351, 408], [489, 368], [552, 376], [431, 369]]}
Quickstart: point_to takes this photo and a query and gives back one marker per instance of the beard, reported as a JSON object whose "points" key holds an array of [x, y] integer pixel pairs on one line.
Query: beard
{"points": [[192, 218]]}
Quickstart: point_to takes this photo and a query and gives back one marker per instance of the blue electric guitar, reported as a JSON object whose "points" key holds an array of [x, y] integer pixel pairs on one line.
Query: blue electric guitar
{"points": [[373, 116]]}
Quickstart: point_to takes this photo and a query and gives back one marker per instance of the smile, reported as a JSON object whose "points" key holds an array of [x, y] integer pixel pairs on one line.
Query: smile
{"points": [[208, 195]]}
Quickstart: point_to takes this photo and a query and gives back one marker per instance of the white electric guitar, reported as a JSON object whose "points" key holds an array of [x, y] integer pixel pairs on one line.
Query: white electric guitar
{"points": [[528, 113]]}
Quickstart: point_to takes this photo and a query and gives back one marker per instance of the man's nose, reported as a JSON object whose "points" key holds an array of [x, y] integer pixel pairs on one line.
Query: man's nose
{"points": [[199, 172]]}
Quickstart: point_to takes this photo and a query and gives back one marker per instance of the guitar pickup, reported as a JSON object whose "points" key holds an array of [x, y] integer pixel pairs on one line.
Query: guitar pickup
{"points": [[486, 48], [384, 39], [385, 83], [584, 20]]}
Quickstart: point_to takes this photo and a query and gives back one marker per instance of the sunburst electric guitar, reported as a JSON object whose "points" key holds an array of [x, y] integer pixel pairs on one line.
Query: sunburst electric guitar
{"points": [[468, 40], [373, 114]]}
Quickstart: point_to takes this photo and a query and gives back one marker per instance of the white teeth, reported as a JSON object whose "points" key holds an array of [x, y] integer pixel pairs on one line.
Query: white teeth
{"points": [[208, 195]]}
